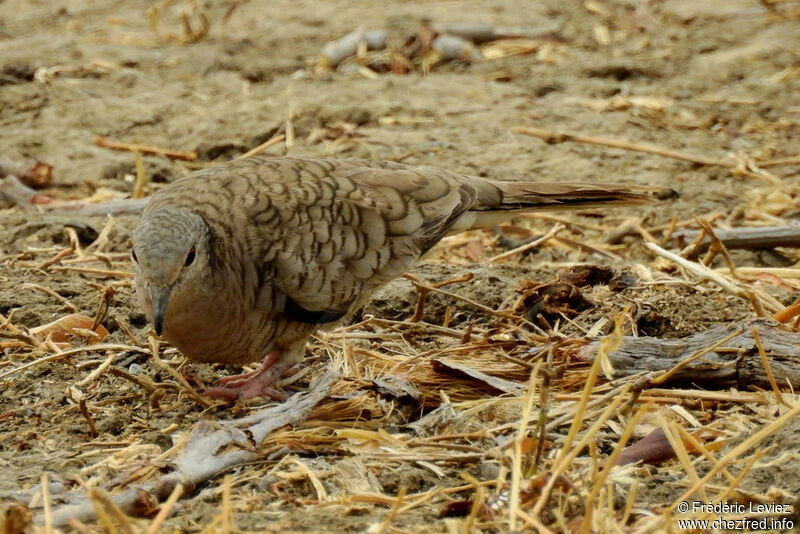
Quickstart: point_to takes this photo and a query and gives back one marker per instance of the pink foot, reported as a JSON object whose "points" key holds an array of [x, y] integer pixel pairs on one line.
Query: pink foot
{"points": [[256, 383]]}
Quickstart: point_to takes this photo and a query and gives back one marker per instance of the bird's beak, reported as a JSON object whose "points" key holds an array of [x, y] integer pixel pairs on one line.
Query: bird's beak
{"points": [[160, 297]]}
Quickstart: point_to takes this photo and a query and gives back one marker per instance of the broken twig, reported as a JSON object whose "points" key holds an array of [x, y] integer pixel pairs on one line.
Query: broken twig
{"points": [[528, 246], [736, 361], [749, 238], [554, 137], [146, 149], [212, 449]]}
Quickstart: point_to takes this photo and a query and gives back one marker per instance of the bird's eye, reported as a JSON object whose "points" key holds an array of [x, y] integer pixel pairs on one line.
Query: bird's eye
{"points": [[133, 256], [189, 257]]}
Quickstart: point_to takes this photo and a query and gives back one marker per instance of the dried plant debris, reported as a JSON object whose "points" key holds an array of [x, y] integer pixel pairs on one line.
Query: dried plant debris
{"points": [[337, 51], [370, 51], [484, 409], [35, 174], [567, 372]]}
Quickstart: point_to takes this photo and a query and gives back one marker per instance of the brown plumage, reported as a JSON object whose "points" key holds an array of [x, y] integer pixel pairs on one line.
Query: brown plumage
{"points": [[245, 260]]}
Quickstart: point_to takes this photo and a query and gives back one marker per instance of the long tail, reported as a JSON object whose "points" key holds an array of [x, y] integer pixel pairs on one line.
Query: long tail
{"points": [[497, 201]]}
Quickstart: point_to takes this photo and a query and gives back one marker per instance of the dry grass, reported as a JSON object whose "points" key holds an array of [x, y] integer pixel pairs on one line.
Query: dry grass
{"points": [[448, 400], [489, 423]]}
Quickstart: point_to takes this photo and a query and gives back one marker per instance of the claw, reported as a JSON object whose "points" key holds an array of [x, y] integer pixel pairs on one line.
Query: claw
{"points": [[257, 383]]}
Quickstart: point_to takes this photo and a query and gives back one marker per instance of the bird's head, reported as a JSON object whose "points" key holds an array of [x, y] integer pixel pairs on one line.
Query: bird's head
{"points": [[171, 254]]}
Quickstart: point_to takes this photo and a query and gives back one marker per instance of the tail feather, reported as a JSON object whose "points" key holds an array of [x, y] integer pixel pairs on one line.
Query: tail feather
{"points": [[532, 195], [496, 201]]}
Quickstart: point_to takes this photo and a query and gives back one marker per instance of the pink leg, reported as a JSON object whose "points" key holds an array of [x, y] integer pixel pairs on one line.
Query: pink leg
{"points": [[256, 383], [238, 380], [225, 380]]}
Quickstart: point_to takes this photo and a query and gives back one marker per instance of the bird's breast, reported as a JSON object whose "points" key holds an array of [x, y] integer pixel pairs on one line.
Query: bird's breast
{"points": [[213, 326]]}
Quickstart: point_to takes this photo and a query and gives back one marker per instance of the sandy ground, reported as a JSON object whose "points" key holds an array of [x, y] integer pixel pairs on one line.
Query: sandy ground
{"points": [[711, 79]]}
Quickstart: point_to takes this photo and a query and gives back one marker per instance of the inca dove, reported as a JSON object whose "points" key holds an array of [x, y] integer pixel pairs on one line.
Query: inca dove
{"points": [[245, 260]]}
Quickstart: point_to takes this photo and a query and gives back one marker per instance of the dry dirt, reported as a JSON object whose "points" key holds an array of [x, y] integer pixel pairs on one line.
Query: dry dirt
{"points": [[710, 79]]}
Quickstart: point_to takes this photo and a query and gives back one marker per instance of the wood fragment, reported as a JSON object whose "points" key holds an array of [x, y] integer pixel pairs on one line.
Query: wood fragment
{"points": [[48, 514], [213, 448], [126, 206], [146, 149], [788, 313], [718, 247], [14, 192], [35, 174], [263, 146], [101, 272], [397, 387], [478, 305], [762, 354], [684, 362], [91, 377], [63, 300], [528, 246], [735, 362], [179, 379], [71, 352], [141, 176], [748, 238], [16, 333], [84, 409], [554, 137], [56, 259], [704, 273], [423, 291]]}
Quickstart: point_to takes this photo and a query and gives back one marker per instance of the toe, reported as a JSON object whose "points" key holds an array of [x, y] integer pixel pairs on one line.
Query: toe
{"points": [[245, 391], [226, 393], [272, 393]]}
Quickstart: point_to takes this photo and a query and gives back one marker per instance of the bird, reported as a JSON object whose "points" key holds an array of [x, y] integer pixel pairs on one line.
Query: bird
{"points": [[245, 260]]}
